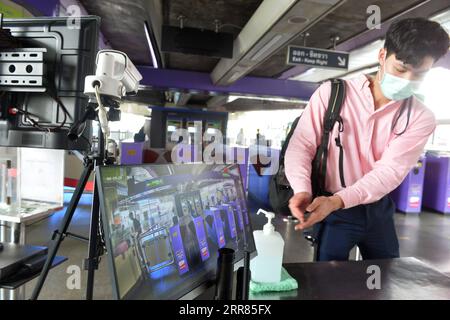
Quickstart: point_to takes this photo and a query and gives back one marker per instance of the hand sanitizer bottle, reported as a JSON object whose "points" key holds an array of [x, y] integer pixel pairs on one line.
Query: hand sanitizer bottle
{"points": [[266, 267]]}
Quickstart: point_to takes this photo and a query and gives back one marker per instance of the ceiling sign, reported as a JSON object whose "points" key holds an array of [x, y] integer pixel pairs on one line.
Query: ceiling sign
{"points": [[318, 58]]}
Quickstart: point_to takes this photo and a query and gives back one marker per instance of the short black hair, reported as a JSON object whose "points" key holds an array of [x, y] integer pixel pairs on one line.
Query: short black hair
{"points": [[413, 39]]}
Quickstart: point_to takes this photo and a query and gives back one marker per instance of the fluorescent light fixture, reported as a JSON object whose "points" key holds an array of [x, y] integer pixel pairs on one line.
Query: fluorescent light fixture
{"points": [[235, 76], [191, 130], [171, 128], [232, 98], [266, 47], [150, 45]]}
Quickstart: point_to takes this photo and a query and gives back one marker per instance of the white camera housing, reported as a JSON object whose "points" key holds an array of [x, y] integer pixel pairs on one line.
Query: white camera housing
{"points": [[116, 76]]}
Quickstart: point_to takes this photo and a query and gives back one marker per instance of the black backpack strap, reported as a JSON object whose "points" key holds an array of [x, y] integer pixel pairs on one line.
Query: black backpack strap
{"points": [[341, 152], [286, 142], [332, 115]]}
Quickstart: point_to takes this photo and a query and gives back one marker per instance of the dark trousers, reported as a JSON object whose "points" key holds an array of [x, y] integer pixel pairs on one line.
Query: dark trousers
{"points": [[370, 227]]}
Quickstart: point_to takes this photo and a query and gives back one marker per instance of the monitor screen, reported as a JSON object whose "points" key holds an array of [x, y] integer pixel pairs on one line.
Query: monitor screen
{"points": [[164, 225]]}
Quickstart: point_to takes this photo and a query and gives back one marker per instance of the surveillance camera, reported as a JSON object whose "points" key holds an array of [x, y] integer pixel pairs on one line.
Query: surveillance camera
{"points": [[115, 76]]}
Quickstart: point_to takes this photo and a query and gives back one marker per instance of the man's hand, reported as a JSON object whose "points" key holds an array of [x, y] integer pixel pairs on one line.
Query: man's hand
{"points": [[298, 204], [320, 208]]}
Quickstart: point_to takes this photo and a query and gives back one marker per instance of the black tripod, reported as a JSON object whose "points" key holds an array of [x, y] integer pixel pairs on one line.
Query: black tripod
{"points": [[96, 244]]}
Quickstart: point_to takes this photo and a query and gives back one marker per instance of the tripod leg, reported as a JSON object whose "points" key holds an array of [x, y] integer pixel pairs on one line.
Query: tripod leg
{"points": [[94, 238], [58, 234]]}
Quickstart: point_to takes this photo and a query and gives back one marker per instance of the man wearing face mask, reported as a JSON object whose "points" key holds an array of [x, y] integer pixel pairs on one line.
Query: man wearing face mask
{"points": [[385, 130]]}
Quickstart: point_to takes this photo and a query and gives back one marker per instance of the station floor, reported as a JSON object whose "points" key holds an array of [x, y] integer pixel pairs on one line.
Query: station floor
{"points": [[425, 236]]}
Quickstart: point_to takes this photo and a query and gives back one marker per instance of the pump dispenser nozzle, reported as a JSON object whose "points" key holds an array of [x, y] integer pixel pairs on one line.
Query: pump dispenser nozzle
{"points": [[268, 227]]}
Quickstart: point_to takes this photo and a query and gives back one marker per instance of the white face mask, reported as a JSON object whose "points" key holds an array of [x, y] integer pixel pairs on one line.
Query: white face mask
{"points": [[396, 88]]}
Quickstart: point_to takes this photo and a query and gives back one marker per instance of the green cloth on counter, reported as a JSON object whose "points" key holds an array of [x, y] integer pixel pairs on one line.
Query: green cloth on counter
{"points": [[286, 283]]}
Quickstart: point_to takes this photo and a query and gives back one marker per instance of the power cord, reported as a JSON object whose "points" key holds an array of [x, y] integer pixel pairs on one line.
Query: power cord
{"points": [[102, 116], [27, 115]]}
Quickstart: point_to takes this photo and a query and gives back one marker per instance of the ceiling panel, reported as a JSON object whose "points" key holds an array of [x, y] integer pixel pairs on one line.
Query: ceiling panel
{"points": [[232, 15], [123, 26]]}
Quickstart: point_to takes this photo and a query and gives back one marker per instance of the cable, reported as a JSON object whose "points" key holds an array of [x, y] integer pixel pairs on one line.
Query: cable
{"points": [[21, 111], [84, 128], [102, 116], [52, 92], [35, 124], [406, 104], [80, 135], [87, 140], [61, 105], [30, 120]]}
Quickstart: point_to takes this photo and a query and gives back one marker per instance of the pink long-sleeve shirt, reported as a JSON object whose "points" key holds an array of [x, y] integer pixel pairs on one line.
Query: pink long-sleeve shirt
{"points": [[375, 159]]}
